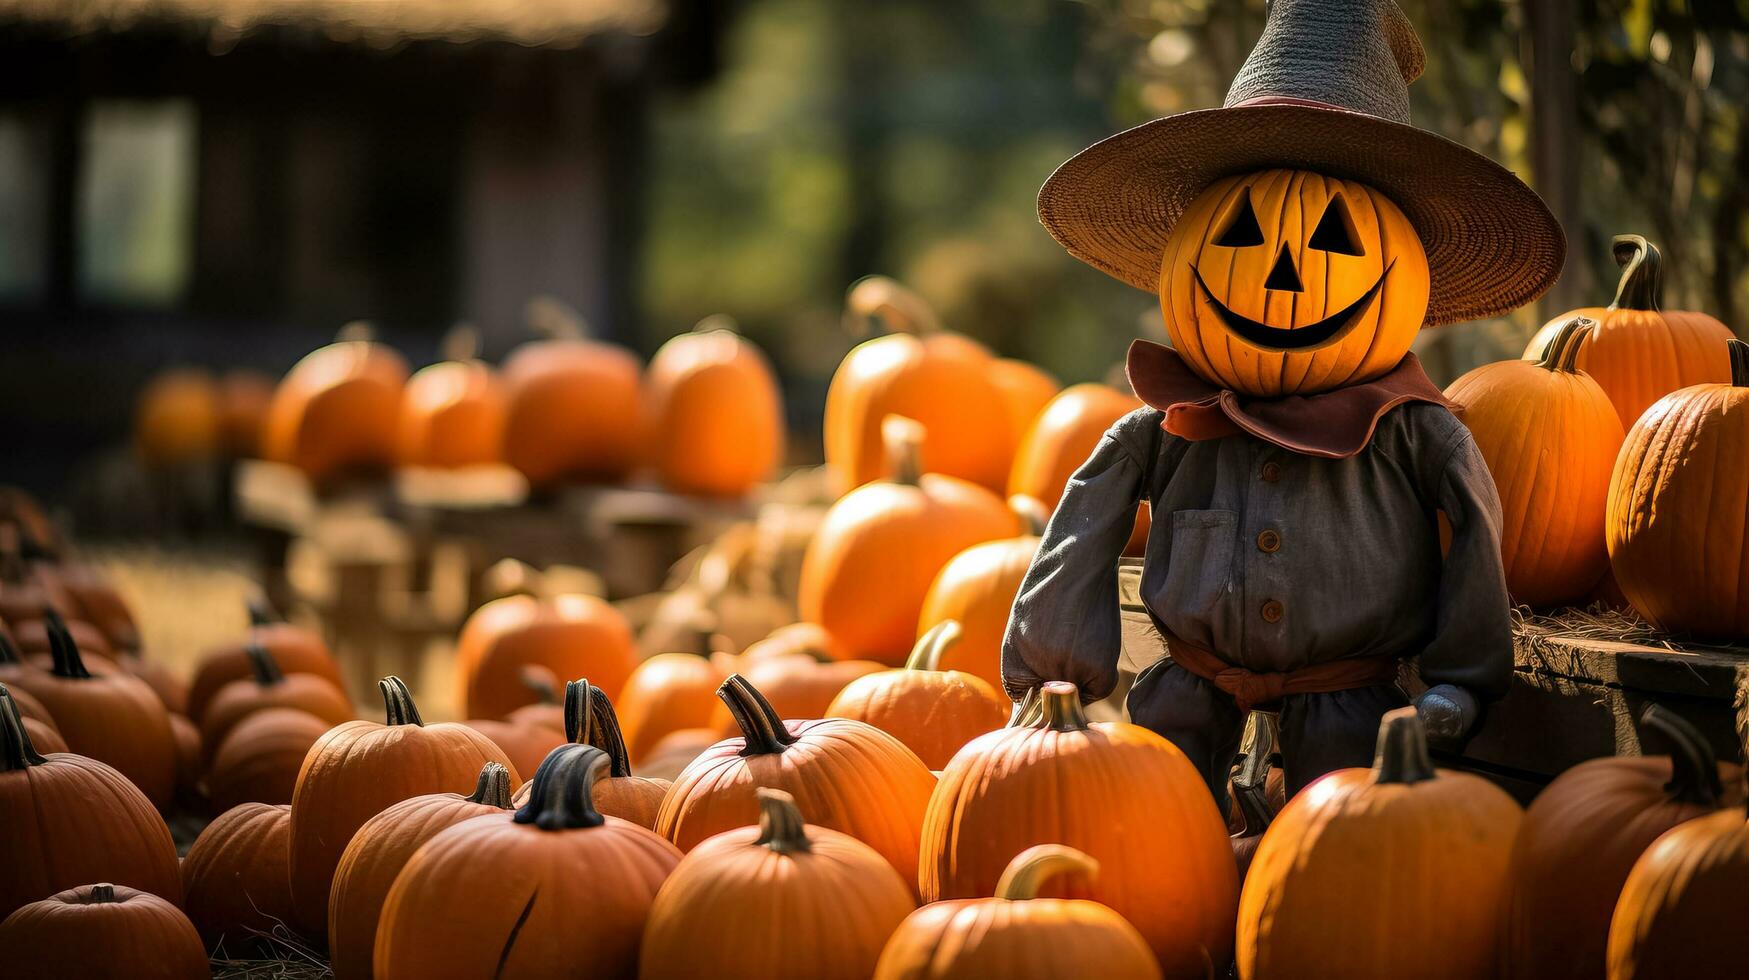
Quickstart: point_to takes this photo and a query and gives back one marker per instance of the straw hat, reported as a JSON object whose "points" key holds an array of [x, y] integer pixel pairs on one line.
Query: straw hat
{"points": [[1326, 89]]}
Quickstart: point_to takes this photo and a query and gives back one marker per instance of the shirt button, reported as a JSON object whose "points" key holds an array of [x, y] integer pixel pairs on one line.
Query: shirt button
{"points": [[1269, 542], [1271, 472], [1272, 611]]}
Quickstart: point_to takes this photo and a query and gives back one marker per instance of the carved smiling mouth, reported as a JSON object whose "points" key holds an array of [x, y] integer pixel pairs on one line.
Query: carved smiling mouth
{"points": [[1298, 338]]}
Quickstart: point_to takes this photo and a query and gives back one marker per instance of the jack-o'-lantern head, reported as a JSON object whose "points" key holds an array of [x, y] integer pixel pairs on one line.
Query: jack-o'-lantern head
{"points": [[1287, 282]]}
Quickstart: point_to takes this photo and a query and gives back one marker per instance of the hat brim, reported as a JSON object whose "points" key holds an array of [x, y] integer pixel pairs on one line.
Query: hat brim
{"points": [[1491, 242]]}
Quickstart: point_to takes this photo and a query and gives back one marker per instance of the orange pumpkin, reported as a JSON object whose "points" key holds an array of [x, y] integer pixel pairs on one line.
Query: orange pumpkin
{"points": [[810, 639], [99, 932], [570, 635], [716, 412], [795, 686], [378, 852], [525, 745], [976, 589], [514, 881], [848, 776], [941, 379], [190, 794], [269, 688], [1026, 389], [1581, 837], [666, 693], [1418, 856], [1639, 353], [590, 720], [259, 759], [573, 409], [933, 711], [547, 711], [1071, 782], [870, 564], [1549, 435], [452, 412], [245, 397], [1680, 914], [668, 758], [177, 418], [337, 409], [358, 769], [780, 899], [296, 650], [1019, 935], [1062, 436], [235, 880], [1678, 516]]}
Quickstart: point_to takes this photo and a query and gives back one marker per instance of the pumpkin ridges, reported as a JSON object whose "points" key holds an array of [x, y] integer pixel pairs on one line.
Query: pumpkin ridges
{"points": [[81, 932], [235, 880]]}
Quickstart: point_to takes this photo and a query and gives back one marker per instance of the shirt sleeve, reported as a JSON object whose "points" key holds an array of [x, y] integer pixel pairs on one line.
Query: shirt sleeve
{"points": [[1472, 647], [1065, 624]]}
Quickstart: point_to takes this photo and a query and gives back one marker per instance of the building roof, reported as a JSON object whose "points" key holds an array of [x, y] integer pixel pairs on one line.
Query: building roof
{"points": [[529, 22]]}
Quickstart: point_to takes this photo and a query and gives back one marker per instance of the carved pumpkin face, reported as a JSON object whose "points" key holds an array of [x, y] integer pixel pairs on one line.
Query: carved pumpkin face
{"points": [[1287, 282]]}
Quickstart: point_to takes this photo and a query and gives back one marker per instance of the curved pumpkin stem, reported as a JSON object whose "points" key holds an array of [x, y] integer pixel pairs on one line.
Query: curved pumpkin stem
{"points": [[902, 440], [563, 795], [1402, 755], [781, 827], [356, 332], [555, 319], [1033, 513], [1739, 352], [539, 680], [1031, 868], [926, 655], [398, 706], [717, 323], [1562, 353], [267, 672], [760, 725], [8, 650], [261, 612], [68, 662], [1061, 701], [16, 752], [900, 309], [1642, 276], [1028, 712], [1694, 770], [460, 343], [591, 720], [493, 786]]}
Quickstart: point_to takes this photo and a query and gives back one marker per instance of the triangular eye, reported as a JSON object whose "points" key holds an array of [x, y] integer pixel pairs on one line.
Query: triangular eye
{"points": [[1335, 232], [1242, 229]]}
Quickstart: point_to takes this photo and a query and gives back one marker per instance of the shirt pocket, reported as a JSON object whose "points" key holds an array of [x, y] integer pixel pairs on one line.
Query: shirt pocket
{"points": [[1200, 571]]}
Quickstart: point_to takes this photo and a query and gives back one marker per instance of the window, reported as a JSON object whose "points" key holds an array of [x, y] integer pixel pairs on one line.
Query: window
{"points": [[135, 203]]}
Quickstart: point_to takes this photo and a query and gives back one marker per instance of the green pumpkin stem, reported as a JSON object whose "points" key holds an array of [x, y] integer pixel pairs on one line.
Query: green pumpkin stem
{"points": [[398, 706], [1061, 701], [267, 672], [764, 732], [781, 827], [1026, 875], [1642, 276], [68, 661], [1562, 352], [562, 797], [1694, 770], [926, 655], [16, 752], [493, 786], [1739, 352], [1402, 755]]}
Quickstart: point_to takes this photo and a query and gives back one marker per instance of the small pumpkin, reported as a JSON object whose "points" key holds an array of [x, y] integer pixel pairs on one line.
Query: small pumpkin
{"points": [[452, 412], [898, 533], [590, 720], [296, 650], [1680, 914], [574, 408], [98, 932], [513, 879], [716, 412], [177, 418], [381, 848], [269, 688], [259, 759], [102, 826], [1678, 515], [190, 794], [1549, 436], [570, 635], [235, 880], [796, 686], [28, 706], [1419, 857], [1071, 782], [825, 903], [1018, 934], [25, 595], [665, 694], [337, 409], [1640, 352], [668, 758], [809, 639], [359, 768], [526, 745], [976, 589], [933, 711], [245, 396]]}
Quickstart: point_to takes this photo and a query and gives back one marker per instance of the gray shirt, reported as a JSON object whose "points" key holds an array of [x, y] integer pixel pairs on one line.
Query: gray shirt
{"points": [[1273, 560]]}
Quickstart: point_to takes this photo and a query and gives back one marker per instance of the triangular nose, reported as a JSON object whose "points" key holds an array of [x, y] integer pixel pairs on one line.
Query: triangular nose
{"points": [[1283, 276]]}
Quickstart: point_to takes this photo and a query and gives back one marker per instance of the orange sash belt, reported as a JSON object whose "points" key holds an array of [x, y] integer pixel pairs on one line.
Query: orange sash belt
{"points": [[1250, 689]]}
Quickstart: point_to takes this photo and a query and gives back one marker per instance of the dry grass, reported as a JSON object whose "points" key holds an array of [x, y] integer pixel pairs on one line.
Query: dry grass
{"points": [[1596, 622], [293, 960]]}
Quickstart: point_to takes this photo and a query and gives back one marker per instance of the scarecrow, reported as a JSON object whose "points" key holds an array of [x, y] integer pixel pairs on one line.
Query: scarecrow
{"points": [[1294, 453]]}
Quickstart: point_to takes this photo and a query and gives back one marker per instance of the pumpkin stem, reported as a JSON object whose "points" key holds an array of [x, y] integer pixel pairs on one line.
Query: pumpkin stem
{"points": [[1642, 276], [1739, 363], [716, 322], [902, 438], [267, 672], [8, 650], [760, 725], [900, 309], [1402, 755], [1694, 771], [12, 566], [1033, 513], [461, 343], [591, 720], [555, 319], [398, 706], [103, 894], [1027, 712], [68, 662], [926, 655], [563, 795], [1062, 707], [781, 828], [493, 786], [261, 612], [539, 680], [16, 752], [1031, 868], [1562, 353], [357, 332]]}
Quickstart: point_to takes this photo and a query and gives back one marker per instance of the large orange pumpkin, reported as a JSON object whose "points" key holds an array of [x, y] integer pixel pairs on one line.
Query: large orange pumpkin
{"points": [[102, 932], [941, 379], [296, 650], [877, 550], [1680, 914], [932, 710], [1288, 282], [1581, 836], [666, 693], [452, 412], [1084, 785], [1678, 518], [259, 759], [590, 720], [177, 418], [976, 589], [1019, 935], [1639, 353], [235, 879], [1418, 857], [1026, 390], [570, 635], [716, 412], [1550, 436], [574, 410], [337, 409]]}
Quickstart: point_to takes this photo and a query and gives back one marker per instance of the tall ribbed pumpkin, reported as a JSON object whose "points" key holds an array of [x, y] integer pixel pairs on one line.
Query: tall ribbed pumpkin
{"points": [[869, 566], [574, 407], [1639, 353], [932, 710], [976, 589], [716, 412], [1678, 520], [452, 412], [337, 409], [1118, 792], [1550, 436]]}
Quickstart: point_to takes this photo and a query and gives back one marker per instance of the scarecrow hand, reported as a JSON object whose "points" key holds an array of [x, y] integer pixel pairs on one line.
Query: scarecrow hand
{"points": [[1448, 711]]}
